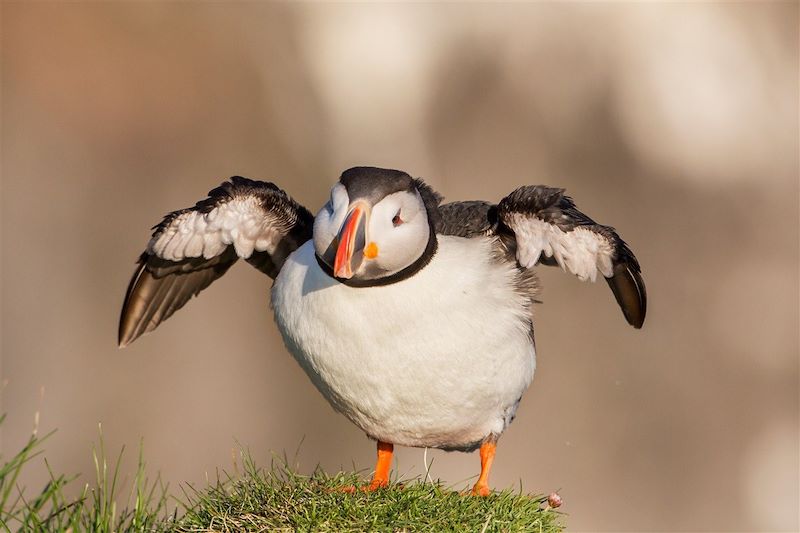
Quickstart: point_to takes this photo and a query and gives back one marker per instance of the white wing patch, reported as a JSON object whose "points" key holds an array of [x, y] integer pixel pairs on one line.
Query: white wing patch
{"points": [[242, 222], [580, 251]]}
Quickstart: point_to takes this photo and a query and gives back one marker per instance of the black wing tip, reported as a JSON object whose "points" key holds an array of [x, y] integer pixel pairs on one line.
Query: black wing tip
{"points": [[123, 342], [126, 332], [158, 288], [124, 337], [629, 290], [642, 298]]}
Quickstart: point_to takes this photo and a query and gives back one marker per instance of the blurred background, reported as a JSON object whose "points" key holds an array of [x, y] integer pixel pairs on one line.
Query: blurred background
{"points": [[675, 123]]}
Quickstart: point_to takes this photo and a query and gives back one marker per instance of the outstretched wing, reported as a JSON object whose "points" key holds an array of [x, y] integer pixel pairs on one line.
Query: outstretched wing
{"points": [[549, 229], [192, 247]]}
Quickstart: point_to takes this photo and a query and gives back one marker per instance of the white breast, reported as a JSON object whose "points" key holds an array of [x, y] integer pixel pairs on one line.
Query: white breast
{"points": [[439, 359]]}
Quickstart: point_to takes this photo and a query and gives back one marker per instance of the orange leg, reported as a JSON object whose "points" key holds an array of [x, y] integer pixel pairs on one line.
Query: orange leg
{"points": [[382, 467], [481, 488]]}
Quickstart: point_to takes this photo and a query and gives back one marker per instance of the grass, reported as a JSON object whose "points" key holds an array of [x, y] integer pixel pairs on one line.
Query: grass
{"points": [[98, 508], [257, 499], [280, 499]]}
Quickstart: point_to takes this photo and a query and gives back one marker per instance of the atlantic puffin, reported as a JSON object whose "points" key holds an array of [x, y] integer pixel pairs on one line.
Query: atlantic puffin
{"points": [[413, 318]]}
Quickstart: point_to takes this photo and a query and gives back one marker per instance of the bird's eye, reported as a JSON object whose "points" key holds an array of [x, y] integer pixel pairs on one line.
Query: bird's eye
{"points": [[397, 220]]}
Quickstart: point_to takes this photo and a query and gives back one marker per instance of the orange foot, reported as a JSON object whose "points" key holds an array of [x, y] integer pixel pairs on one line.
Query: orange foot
{"points": [[377, 484], [381, 478], [481, 488]]}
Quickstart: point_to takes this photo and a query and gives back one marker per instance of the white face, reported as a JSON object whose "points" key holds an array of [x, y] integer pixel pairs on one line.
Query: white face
{"points": [[365, 242]]}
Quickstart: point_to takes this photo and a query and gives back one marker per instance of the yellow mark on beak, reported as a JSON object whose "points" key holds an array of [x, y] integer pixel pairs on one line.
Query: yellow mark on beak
{"points": [[371, 251]]}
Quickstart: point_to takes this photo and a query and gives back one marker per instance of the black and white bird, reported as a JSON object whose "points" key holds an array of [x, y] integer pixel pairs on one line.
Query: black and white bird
{"points": [[412, 318]]}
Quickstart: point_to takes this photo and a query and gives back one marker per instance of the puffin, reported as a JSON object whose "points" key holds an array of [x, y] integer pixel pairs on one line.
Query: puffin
{"points": [[412, 317]]}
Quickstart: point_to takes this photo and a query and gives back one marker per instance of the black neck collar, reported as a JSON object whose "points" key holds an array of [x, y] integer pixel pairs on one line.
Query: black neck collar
{"points": [[407, 272]]}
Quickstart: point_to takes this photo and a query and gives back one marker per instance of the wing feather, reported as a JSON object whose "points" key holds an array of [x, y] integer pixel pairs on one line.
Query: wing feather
{"points": [[190, 248], [548, 227]]}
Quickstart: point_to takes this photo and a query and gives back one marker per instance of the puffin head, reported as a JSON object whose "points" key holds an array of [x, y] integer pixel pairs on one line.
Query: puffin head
{"points": [[377, 228]]}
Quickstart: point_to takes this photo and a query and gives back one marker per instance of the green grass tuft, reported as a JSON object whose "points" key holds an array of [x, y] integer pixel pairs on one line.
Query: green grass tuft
{"points": [[100, 508], [273, 499], [280, 499]]}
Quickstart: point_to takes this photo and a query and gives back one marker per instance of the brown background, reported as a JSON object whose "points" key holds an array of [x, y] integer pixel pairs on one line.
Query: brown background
{"points": [[676, 123]]}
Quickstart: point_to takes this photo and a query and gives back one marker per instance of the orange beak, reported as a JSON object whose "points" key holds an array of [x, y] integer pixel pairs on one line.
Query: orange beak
{"points": [[352, 239]]}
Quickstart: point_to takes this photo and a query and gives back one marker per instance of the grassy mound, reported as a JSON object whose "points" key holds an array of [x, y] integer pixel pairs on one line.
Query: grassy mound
{"points": [[279, 499]]}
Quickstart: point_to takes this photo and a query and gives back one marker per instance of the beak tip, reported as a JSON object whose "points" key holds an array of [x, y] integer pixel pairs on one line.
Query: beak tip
{"points": [[342, 273]]}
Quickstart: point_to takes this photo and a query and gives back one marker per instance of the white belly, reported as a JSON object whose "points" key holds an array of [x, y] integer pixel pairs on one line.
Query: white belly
{"points": [[440, 359]]}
